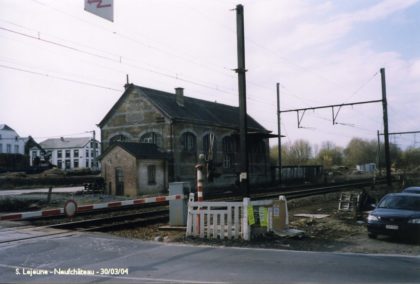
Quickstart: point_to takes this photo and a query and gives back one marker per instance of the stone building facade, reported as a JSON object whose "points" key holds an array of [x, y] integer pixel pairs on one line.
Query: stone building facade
{"points": [[184, 127]]}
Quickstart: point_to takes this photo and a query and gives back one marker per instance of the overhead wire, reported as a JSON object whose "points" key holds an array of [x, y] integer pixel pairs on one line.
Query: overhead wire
{"points": [[58, 77], [137, 41], [118, 61], [128, 37], [150, 70], [192, 82]]}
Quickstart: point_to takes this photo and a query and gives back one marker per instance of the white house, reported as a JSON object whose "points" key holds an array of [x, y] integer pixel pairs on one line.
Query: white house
{"points": [[367, 168], [10, 142], [70, 153]]}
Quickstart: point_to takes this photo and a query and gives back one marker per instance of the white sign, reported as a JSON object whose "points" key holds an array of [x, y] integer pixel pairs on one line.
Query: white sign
{"points": [[70, 208], [101, 8]]}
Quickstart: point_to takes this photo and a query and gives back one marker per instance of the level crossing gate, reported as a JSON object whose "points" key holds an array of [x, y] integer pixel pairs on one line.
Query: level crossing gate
{"points": [[225, 219]]}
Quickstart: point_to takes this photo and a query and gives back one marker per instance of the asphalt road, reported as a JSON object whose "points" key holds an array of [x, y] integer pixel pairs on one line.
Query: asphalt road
{"points": [[150, 262]]}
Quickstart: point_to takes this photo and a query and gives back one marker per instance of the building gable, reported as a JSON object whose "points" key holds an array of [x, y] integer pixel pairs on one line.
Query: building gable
{"points": [[5, 127], [132, 108]]}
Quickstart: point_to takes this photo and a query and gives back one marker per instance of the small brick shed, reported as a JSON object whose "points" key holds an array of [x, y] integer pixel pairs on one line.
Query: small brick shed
{"points": [[133, 169]]}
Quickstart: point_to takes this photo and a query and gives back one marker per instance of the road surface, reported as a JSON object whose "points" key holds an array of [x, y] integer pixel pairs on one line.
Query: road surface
{"points": [[65, 258]]}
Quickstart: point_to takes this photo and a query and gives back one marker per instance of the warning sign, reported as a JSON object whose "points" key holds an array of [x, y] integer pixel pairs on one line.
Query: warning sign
{"points": [[101, 8]]}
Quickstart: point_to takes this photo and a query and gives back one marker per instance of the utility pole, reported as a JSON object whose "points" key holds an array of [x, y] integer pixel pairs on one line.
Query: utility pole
{"points": [[386, 135], [243, 143], [378, 154], [279, 132]]}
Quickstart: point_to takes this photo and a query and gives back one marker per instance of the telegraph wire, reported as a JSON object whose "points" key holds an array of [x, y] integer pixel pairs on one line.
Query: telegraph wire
{"points": [[206, 66], [59, 38], [150, 70], [58, 77], [199, 84], [364, 84], [57, 44], [118, 61], [62, 135], [127, 37]]}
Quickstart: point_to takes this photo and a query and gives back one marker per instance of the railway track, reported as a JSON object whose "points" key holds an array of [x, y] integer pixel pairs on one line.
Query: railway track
{"points": [[293, 192], [17, 234], [125, 219], [118, 222]]}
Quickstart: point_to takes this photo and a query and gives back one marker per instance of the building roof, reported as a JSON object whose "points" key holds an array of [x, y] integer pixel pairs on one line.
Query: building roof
{"points": [[193, 110], [6, 127], [60, 143], [138, 150]]}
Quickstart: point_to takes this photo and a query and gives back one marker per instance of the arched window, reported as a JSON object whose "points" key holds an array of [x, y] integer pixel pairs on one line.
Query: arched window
{"points": [[209, 146], [229, 148], [188, 142], [118, 138], [153, 138]]}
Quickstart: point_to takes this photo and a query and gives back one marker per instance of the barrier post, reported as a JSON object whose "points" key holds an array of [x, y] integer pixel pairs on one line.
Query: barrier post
{"points": [[199, 167], [246, 229]]}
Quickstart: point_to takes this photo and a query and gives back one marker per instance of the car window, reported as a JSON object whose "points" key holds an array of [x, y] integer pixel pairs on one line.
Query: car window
{"points": [[400, 202]]}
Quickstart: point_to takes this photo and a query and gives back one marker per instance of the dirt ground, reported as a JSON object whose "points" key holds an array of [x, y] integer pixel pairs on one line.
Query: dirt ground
{"points": [[339, 232]]}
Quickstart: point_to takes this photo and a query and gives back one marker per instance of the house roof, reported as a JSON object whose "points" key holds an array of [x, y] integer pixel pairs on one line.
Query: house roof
{"points": [[59, 143], [6, 127], [138, 150], [194, 110]]}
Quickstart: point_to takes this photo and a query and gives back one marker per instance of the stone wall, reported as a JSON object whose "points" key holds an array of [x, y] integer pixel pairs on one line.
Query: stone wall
{"points": [[136, 116], [161, 184], [133, 118], [119, 158]]}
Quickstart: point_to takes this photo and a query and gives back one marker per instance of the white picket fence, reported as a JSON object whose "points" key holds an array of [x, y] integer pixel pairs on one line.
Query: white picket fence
{"points": [[221, 219]]}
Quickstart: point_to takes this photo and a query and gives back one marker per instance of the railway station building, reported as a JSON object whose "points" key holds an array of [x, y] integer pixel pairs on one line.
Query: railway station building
{"points": [[181, 128]]}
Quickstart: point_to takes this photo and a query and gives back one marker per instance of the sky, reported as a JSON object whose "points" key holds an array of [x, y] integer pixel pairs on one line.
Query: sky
{"points": [[62, 68]]}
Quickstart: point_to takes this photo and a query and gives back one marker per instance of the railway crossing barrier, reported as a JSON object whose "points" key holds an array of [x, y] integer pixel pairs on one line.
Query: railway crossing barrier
{"points": [[90, 207], [236, 219]]}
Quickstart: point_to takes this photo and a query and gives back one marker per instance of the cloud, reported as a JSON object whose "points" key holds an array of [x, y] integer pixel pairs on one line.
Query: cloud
{"points": [[316, 68], [318, 25], [376, 12]]}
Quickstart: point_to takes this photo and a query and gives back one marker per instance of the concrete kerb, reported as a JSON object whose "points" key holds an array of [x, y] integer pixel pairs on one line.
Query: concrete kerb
{"points": [[89, 207]]}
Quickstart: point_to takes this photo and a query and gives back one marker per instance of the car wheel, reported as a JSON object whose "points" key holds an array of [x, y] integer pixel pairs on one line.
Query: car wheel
{"points": [[372, 235]]}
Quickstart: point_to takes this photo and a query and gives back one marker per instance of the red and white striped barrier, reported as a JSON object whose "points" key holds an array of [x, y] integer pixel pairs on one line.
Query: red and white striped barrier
{"points": [[89, 207]]}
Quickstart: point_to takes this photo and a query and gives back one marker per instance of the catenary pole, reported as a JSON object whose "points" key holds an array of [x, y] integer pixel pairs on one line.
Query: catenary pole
{"points": [[378, 154], [386, 135], [243, 143], [279, 132]]}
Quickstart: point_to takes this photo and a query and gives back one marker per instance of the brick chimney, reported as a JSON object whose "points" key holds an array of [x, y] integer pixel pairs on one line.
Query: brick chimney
{"points": [[179, 96], [127, 84]]}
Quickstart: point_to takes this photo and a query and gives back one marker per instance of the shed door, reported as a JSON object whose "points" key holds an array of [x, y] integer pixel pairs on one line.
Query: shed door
{"points": [[119, 181]]}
